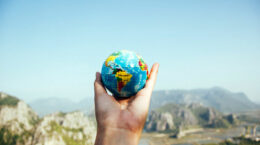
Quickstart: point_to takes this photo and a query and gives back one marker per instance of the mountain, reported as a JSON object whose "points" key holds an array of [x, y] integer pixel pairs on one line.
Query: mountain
{"points": [[65, 129], [46, 106], [179, 117], [20, 125], [17, 121], [218, 98]]}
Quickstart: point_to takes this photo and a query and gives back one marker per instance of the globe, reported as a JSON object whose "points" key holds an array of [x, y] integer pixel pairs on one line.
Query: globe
{"points": [[124, 73]]}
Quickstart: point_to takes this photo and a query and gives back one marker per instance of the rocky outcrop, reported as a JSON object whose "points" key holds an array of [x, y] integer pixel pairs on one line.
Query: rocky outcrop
{"points": [[187, 117], [231, 118], [180, 118], [211, 115], [62, 129], [20, 125], [159, 122], [17, 120]]}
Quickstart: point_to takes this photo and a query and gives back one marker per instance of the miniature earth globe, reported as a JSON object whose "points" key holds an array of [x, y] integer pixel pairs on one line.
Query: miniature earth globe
{"points": [[124, 73]]}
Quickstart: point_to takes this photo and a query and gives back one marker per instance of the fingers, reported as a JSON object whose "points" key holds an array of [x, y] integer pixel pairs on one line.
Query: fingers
{"points": [[142, 99], [98, 85], [152, 77]]}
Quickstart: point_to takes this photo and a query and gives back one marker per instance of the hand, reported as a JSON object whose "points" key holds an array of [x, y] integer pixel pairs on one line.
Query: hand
{"points": [[121, 121]]}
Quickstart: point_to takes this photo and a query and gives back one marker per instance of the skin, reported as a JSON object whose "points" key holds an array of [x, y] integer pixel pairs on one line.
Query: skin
{"points": [[121, 121]]}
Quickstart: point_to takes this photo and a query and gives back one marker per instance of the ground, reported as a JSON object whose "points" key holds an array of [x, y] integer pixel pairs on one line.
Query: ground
{"points": [[204, 136]]}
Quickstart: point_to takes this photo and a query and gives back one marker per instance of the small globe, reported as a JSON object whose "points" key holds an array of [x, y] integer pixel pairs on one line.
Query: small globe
{"points": [[124, 73]]}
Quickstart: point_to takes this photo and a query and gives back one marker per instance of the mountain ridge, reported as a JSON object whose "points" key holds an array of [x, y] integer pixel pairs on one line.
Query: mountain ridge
{"points": [[221, 99]]}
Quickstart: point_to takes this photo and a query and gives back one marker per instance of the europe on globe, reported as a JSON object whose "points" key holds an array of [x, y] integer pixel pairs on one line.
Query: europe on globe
{"points": [[124, 73]]}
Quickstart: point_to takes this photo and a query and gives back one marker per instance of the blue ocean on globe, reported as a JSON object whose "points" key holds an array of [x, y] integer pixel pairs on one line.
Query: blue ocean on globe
{"points": [[124, 73]]}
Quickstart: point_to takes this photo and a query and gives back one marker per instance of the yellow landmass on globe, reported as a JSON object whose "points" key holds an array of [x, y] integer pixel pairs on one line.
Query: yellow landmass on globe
{"points": [[111, 58], [122, 79]]}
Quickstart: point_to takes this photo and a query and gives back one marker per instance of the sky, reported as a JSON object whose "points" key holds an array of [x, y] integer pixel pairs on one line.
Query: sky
{"points": [[52, 48]]}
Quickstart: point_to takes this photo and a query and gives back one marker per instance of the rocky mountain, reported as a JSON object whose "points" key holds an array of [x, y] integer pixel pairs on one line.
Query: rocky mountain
{"points": [[173, 117], [20, 125], [218, 98], [17, 121], [159, 122], [65, 129], [44, 106]]}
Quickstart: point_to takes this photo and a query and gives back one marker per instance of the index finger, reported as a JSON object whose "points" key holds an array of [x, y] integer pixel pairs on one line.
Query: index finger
{"points": [[141, 100]]}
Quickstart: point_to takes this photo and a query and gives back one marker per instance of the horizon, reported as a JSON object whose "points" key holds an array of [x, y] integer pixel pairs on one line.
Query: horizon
{"points": [[175, 89], [53, 48]]}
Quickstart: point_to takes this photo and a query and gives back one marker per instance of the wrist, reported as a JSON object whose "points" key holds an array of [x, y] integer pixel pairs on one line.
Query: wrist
{"points": [[116, 136]]}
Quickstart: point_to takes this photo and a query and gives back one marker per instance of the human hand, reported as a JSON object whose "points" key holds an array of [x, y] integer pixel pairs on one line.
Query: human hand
{"points": [[121, 121]]}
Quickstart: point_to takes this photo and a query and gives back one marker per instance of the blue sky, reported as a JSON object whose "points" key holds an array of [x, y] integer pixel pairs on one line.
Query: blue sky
{"points": [[53, 48]]}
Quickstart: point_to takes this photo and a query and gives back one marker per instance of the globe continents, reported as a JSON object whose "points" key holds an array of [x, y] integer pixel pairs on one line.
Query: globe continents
{"points": [[124, 73]]}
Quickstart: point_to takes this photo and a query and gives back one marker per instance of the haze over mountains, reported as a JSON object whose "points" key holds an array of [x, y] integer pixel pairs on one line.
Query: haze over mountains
{"points": [[221, 99], [46, 106]]}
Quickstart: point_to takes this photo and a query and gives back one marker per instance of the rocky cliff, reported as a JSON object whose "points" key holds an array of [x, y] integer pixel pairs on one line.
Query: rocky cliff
{"points": [[64, 129], [17, 121], [20, 125], [175, 116], [159, 121]]}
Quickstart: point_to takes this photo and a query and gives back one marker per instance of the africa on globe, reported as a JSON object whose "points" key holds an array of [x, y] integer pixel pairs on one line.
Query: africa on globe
{"points": [[124, 73]]}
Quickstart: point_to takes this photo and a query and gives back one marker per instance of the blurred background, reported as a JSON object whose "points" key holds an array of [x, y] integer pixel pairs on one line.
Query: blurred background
{"points": [[207, 90]]}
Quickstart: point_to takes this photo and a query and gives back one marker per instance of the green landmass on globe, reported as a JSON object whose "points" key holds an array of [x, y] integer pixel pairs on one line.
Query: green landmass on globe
{"points": [[124, 73]]}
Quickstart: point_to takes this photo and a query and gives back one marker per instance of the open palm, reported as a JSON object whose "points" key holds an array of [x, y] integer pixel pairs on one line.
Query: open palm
{"points": [[124, 114]]}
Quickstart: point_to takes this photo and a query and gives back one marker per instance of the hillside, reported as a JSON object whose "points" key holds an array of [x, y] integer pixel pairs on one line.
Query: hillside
{"points": [[20, 125], [218, 98], [177, 118], [17, 121]]}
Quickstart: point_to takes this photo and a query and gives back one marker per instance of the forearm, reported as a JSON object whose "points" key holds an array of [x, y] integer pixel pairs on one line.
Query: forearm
{"points": [[116, 136]]}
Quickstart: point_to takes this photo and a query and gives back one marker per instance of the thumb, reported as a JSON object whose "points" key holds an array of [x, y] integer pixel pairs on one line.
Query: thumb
{"points": [[102, 99], [98, 85]]}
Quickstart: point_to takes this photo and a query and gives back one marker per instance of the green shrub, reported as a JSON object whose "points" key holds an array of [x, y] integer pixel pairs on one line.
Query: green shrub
{"points": [[12, 101], [220, 123], [7, 138]]}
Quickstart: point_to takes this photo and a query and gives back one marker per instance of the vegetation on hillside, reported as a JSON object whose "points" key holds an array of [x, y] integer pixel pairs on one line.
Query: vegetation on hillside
{"points": [[7, 138], [9, 100]]}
